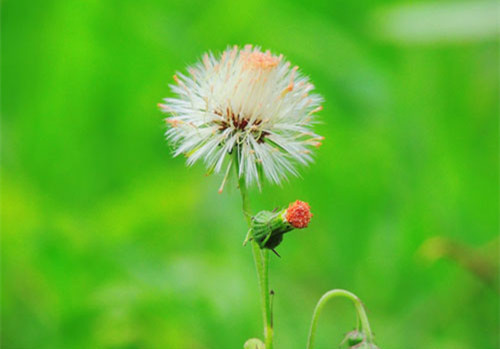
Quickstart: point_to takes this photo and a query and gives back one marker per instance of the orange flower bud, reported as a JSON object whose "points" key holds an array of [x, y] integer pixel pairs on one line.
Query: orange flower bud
{"points": [[299, 214]]}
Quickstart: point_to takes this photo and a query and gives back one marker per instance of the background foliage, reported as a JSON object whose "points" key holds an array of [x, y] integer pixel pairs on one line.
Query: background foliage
{"points": [[108, 242]]}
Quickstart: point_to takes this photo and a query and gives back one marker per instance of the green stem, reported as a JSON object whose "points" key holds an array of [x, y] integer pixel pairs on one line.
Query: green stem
{"points": [[261, 264], [365, 325], [269, 312]]}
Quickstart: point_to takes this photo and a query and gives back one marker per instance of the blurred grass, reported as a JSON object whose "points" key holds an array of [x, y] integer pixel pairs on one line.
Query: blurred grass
{"points": [[108, 242]]}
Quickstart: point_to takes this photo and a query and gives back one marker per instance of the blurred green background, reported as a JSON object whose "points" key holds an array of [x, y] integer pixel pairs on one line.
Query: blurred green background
{"points": [[108, 242]]}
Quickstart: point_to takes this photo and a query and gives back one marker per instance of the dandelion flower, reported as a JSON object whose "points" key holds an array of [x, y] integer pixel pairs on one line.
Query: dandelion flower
{"points": [[298, 214], [244, 108], [267, 228]]}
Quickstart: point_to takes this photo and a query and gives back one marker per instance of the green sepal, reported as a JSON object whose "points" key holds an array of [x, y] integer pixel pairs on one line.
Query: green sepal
{"points": [[268, 228], [353, 338], [357, 340]]}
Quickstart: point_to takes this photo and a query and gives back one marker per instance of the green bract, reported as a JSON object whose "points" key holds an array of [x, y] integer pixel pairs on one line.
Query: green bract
{"points": [[267, 228], [353, 338]]}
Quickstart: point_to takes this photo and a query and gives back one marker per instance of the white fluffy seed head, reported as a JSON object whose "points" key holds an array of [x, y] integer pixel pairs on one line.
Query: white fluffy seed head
{"points": [[244, 108]]}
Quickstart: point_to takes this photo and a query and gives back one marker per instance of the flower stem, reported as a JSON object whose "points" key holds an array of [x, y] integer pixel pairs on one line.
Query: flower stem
{"points": [[269, 312], [261, 258], [365, 325]]}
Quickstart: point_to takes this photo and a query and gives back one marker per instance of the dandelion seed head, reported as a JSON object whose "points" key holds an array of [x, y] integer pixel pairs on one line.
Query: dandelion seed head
{"points": [[243, 108], [260, 60]]}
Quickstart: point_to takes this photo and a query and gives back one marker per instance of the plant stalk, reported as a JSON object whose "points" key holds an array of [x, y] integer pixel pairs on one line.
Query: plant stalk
{"points": [[261, 259], [365, 325]]}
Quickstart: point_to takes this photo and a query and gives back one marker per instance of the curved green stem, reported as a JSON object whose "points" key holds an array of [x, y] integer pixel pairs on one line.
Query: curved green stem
{"points": [[261, 264], [365, 325]]}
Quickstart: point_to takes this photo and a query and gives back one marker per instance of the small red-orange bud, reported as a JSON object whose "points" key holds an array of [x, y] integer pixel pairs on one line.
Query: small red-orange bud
{"points": [[298, 214]]}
